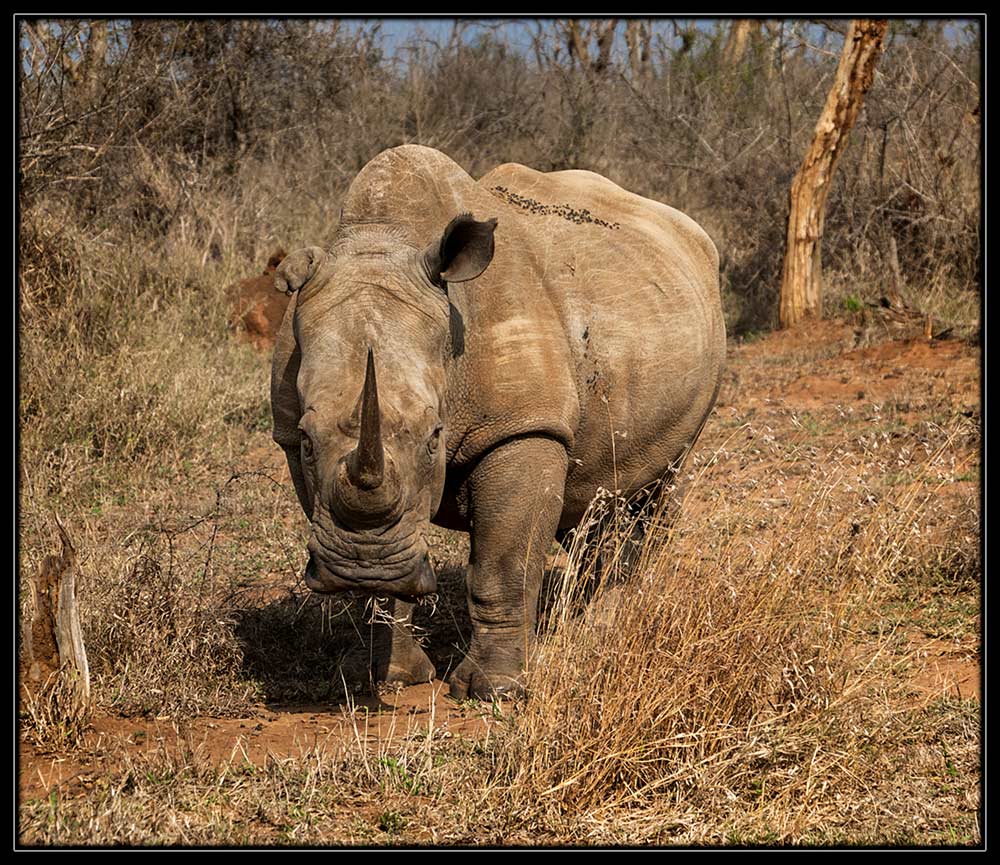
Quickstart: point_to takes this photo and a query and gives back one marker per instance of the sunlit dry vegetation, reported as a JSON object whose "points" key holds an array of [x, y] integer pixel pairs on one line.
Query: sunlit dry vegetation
{"points": [[750, 683]]}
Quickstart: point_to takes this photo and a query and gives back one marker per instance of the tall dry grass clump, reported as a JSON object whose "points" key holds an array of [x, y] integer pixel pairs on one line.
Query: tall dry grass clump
{"points": [[726, 681]]}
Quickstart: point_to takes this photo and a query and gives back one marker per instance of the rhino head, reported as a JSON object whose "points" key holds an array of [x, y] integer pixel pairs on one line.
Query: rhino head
{"points": [[371, 323]]}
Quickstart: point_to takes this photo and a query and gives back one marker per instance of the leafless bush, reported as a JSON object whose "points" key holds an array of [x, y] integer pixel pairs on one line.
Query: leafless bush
{"points": [[191, 128]]}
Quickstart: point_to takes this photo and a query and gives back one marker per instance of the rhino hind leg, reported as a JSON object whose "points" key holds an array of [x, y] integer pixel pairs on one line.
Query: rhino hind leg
{"points": [[622, 557], [397, 658], [515, 501], [617, 540], [657, 505]]}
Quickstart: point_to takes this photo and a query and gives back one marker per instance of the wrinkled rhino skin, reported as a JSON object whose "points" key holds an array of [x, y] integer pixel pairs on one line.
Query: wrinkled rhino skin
{"points": [[488, 372], [255, 308]]}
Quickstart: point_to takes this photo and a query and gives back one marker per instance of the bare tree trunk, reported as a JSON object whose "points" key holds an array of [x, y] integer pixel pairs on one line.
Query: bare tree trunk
{"points": [[605, 41], [801, 278], [599, 36], [53, 647], [95, 56], [577, 44], [539, 42], [774, 38], [637, 37], [736, 42]]}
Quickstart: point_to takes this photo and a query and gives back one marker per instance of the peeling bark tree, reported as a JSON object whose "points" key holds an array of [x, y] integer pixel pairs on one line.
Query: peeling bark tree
{"points": [[801, 278]]}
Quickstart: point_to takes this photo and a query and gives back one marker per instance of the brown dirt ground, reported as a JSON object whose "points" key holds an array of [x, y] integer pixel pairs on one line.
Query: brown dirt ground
{"points": [[816, 370], [274, 730]]}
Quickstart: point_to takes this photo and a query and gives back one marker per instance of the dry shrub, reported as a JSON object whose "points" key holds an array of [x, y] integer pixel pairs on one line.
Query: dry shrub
{"points": [[232, 135], [125, 365], [54, 717], [730, 683], [302, 647], [169, 600], [161, 640]]}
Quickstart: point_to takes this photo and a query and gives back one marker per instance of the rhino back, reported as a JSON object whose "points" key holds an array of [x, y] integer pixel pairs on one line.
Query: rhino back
{"points": [[634, 285]]}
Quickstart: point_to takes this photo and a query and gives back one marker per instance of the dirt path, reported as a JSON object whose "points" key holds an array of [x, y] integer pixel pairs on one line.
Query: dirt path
{"points": [[415, 713]]}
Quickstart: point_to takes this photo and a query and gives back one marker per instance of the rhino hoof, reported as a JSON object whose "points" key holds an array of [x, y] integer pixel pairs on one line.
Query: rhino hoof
{"points": [[409, 676], [410, 667], [476, 684]]}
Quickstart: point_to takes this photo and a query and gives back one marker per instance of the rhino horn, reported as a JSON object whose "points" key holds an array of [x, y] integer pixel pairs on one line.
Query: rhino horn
{"points": [[366, 464]]}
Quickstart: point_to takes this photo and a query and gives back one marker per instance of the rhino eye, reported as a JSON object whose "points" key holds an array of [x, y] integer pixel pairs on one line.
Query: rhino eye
{"points": [[307, 447], [434, 440]]}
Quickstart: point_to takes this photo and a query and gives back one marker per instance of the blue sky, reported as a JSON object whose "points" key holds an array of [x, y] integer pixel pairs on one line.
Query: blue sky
{"points": [[396, 31]]}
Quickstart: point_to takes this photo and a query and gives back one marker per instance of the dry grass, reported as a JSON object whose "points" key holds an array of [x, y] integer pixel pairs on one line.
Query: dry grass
{"points": [[737, 689], [731, 683], [329, 793], [731, 692], [55, 716]]}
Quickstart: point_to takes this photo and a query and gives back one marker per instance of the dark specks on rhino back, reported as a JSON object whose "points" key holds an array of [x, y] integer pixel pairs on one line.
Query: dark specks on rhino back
{"points": [[566, 211]]}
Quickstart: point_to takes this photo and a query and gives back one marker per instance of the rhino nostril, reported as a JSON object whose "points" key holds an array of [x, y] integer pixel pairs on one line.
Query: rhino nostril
{"points": [[311, 572]]}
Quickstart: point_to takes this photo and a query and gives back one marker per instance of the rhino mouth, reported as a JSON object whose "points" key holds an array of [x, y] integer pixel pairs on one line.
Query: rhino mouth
{"points": [[420, 582], [392, 561]]}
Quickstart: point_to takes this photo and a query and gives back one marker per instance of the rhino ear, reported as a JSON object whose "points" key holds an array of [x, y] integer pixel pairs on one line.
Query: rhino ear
{"points": [[298, 268], [276, 258], [464, 251]]}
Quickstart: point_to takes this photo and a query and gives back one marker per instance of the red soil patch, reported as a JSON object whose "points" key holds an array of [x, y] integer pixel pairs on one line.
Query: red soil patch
{"points": [[888, 372], [943, 670], [277, 730]]}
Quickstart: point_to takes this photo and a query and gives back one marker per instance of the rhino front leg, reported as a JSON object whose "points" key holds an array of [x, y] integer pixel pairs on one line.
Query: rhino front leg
{"points": [[515, 501], [397, 659]]}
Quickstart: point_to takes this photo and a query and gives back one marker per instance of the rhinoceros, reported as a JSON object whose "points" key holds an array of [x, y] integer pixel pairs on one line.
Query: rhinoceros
{"points": [[485, 356]]}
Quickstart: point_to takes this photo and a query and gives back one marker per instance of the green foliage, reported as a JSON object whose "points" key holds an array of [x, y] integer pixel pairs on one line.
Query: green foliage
{"points": [[853, 303]]}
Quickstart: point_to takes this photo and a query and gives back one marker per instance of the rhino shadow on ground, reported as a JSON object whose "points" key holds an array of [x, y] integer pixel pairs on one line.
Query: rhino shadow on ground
{"points": [[305, 647]]}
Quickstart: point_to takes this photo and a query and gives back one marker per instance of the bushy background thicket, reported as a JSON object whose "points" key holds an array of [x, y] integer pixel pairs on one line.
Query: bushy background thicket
{"points": [[219, 139], [161, 160]]}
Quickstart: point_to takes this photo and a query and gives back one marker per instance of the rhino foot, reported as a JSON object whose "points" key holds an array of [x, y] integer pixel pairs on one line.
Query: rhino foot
{"points": [[407, 665], [471, 680], [398, 658]]}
